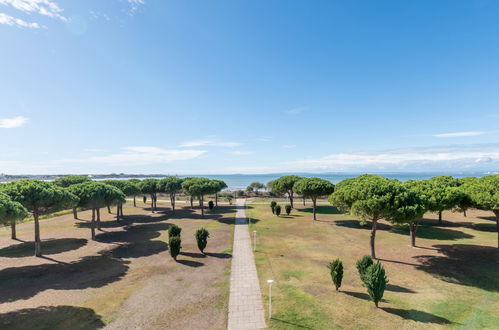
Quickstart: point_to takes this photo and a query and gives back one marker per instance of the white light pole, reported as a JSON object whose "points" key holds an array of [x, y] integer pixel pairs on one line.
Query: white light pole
{"points": [[270, 297], [254, 240]]}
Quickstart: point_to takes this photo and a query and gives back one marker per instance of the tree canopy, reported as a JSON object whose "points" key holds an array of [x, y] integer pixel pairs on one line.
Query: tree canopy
{"points": [[150, 186], [313, 188], [484, 193], [198, 187], [11, 212], [69, 180], [284, 185], [368, 197], [171, 185]]}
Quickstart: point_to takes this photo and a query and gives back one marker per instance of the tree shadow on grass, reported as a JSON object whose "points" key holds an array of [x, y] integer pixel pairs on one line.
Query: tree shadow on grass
{"points": [[436, 233], [491, 218], [322, 209], [49, 246], [415, 315], [193, 254], [190, 263], [88, 272], [51, 317], [397, 288], [219, 255], [290, 325], [357, 225], [487, 227], [470, 265]]}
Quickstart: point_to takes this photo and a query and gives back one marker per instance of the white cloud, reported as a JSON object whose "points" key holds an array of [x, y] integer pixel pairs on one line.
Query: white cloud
{"points": [[242, 152], [264, 139], [457, 157], [297, 111], [134, 156], [289, 146], [17, 22], [13, 122], [459, 134], [42, 7], [209, 143]]}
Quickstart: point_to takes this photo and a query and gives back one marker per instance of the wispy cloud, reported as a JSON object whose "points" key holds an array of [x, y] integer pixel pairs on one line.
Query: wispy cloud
{"points": [[289, 146], [296, 111], [17, 22], [459, 134], [264, 139], [427, 158], [94, 150], [242, 152], [141, 155], [13, 122], [209, 143]]}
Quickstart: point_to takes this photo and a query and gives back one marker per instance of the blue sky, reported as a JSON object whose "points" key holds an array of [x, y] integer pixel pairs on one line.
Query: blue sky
{"points": [[142, 86]]}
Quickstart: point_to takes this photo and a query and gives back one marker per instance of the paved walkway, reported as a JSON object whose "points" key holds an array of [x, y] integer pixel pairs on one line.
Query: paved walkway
{"points": [[245, 301]]}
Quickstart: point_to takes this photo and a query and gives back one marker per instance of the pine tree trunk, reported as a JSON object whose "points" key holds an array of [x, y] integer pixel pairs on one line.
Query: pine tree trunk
{"points": [[202, 207], [134, 202], [373, 238], [118, 212], [108, 209], [314, 202], [496, 212], [38, 243], [440, 218], [464, 213], [75, 213], [13, 230], [290, 195], [303, 200], [152, 203], [97, 211], [172, 199], [412, 228], [192, 206], [92, 225], [216, 199]]}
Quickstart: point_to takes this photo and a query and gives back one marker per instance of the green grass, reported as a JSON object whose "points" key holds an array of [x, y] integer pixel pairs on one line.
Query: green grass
{"points": [[450, 281]]}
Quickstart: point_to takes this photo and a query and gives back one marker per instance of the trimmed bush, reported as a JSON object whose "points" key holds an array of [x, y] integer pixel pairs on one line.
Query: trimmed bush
{"points": [[362, 265], [287, 207], [336, 269], [211, 205], [202, 239], [272, 206], [277, 210], [375, 282], [175, 246], [174, 230]]}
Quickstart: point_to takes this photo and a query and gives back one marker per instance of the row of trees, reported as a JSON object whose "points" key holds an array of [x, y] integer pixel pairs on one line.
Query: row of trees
{"points": [[20, 198]]}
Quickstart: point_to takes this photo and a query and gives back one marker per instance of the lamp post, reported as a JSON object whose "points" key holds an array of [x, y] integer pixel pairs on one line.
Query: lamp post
{"points": [[270, 297], [254, 240]]}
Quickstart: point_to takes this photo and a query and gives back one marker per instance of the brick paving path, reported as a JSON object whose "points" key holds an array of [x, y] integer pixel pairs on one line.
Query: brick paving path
{"points": [[245, 301]]}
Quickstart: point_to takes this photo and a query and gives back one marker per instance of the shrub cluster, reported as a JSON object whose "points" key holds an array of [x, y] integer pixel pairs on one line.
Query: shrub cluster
{"points": [[202, 239], [174, 240], [272, 206]]}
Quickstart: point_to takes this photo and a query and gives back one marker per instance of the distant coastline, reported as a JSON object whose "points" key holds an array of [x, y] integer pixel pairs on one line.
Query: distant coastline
{"points": [[241, 181]]}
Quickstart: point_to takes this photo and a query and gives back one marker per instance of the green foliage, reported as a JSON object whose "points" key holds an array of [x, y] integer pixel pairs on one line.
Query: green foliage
{"points": [[149, 186], [407, 206], [272, 206], [284, 184], [287, 207], [211, 205], [39, 196], [336, 270], [362, 265], [175, 244], [313, 187], [484, 192], [174, 230], [198, 187], [277, 210], [170, 185], [218, 186], [69, 180], [375, 282], [255, 186], [96, 194], [11, 211], [202, 238], [125, 186], [442, 192]]}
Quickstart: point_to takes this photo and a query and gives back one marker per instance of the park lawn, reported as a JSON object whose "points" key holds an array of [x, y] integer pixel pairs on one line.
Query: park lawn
{"points": [[124, 279], [450, 280]]}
